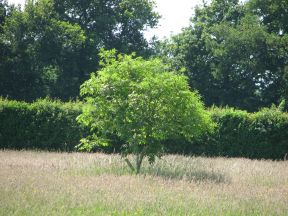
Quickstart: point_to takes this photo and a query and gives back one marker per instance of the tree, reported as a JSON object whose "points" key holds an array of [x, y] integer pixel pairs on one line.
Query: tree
{"points": [[274, 14], [141, 103], [42, 54], [5, 12], [50, 47], [111, 24], [245, 63], [233, 54], [189, 49]]}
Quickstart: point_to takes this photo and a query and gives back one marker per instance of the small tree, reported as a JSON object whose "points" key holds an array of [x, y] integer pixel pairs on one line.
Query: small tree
{"points": [[142, 103]]}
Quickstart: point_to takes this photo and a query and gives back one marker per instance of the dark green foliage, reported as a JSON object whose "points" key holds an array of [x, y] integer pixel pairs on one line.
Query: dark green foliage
{"points": [[241, 134], [234, 53], [40, 54], [44, 124], [50, 47], [274, 14]]}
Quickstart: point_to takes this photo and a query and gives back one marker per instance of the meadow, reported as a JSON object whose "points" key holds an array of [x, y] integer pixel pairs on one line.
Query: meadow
{"points": [[42, 183]]}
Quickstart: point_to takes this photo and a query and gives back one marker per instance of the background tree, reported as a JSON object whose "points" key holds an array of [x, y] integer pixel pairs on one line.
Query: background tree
{"points": [[42, 49], [5, 12], [245, 64], [141, 103], [231, 56], [273, 14], [112, 23], [51, 46]]}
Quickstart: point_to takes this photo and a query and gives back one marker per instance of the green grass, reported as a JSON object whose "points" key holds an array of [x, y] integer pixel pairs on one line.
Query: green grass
{"points": [[41, 183]]}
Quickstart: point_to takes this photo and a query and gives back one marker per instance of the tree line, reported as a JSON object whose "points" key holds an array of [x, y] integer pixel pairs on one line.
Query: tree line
{"points": [[233, 53]]}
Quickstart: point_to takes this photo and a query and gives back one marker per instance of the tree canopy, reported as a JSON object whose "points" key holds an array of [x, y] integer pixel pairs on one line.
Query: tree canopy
{"points": [[235, 54], [50, 47], [142, 103]]}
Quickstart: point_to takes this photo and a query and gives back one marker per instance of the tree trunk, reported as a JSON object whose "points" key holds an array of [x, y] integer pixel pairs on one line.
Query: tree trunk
{"points": [[139, 159]]}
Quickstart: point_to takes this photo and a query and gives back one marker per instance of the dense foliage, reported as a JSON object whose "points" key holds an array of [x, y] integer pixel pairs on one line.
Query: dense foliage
{"points": [[44, 124], [50, 47], [141, 103], [51, 125], [235, 53], [263, 134]]}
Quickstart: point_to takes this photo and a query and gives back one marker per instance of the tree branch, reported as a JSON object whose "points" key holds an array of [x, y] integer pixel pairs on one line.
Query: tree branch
{"points": [[129, 164]]}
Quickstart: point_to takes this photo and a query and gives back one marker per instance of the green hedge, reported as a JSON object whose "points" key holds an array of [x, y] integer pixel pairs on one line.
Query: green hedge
{"points": [[44, 124], [263, 134], [51, 125]]}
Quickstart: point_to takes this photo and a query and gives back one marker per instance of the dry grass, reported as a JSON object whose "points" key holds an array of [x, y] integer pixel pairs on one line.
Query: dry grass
{"points": [[40, 183]]}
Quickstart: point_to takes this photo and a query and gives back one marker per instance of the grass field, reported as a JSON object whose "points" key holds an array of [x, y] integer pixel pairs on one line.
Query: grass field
{"points": [[41, 183]]}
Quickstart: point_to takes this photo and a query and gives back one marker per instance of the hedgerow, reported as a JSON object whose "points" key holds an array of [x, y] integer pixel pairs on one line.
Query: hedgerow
{"points": [[262, 134], [44, 124], [51, 125]]}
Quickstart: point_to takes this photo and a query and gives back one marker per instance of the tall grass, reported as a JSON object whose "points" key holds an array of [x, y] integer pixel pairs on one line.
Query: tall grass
{"points": [[40, 183]]}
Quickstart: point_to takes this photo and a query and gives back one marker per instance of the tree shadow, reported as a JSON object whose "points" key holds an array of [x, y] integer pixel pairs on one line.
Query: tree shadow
{"points": [[196, 175]]}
